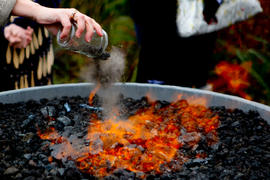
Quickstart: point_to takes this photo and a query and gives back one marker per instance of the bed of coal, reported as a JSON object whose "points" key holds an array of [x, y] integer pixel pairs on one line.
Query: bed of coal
{"points": [[241, 152]]}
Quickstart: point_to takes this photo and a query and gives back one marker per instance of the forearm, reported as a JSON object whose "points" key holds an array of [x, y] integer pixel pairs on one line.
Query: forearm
{"points": [[24, 22], [26, 8], [41, 14], [53, 17]]}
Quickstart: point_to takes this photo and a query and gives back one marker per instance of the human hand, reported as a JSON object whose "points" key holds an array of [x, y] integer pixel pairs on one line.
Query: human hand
{"points": [[18, 36], [55, 18]]}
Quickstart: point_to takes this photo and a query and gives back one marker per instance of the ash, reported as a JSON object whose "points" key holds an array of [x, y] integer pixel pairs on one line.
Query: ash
{"points": [[107, 71], [243, 151]]}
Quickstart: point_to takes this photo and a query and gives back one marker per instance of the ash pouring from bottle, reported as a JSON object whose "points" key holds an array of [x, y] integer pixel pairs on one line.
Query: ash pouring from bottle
{"points": [[107, 69], [104, 73]]}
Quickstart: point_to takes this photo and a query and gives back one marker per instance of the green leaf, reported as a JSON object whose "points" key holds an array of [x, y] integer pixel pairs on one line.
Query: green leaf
{"points": [[260, 56], [243, 57]]}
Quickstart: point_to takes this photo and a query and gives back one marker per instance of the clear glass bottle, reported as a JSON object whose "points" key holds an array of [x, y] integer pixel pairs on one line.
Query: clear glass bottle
{"points": [[93, 49]]}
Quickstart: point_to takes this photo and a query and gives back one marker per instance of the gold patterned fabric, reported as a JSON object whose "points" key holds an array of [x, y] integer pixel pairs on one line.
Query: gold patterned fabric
{"points": [[27, 67], [30, 66]]}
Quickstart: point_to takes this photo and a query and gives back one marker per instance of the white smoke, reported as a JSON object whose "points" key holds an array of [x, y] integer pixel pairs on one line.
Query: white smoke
{"points": [[106, 73]]}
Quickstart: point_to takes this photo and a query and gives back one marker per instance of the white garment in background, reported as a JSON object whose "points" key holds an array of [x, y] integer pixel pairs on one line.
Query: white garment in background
{"points": [[190, 20]]}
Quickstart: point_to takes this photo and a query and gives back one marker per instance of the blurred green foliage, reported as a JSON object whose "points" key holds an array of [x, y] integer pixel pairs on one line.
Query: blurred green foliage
{"points": [[259, 71], [113, 16], [249, 41]]}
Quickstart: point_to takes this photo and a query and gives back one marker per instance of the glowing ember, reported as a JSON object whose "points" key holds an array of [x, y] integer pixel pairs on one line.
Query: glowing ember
{"points": [[149, 141]]}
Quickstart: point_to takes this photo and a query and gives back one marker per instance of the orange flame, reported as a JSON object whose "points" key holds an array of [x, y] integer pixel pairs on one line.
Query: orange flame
{"points": [[93, 93], [145, 142], [51, 134]]}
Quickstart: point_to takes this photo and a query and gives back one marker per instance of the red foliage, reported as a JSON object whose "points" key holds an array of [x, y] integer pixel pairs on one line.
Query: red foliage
{"points": [[242, 34], [232, 79]]}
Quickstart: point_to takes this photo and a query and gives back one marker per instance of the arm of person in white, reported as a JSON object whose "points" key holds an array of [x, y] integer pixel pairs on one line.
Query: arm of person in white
{"points": [[53, 17]]}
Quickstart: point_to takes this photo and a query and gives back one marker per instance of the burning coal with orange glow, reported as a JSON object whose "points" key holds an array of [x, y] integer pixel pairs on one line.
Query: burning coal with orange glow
{"points": [[232, 78], [148, 141]]}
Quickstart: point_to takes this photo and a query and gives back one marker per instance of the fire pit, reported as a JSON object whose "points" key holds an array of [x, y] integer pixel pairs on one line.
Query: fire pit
{"points": [[64, 136]]}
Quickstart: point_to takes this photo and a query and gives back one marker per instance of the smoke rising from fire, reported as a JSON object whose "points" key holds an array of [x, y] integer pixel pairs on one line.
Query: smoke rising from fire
{"points": [[104, 74]]}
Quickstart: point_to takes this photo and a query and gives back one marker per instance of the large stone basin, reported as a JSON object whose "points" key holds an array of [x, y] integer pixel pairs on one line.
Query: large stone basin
{"points": [[136, 90]]}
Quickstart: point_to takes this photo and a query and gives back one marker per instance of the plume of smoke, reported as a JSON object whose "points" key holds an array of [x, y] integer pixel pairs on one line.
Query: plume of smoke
{"points": [[106, 73]]}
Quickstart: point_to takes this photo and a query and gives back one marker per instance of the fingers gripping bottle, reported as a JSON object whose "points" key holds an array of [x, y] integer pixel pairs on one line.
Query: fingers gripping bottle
{"points": [[93, 49]]}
